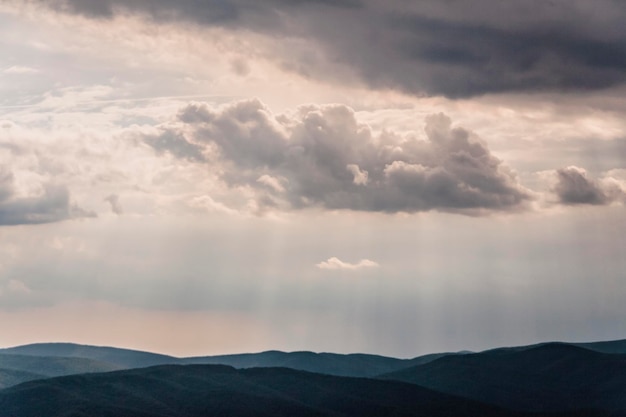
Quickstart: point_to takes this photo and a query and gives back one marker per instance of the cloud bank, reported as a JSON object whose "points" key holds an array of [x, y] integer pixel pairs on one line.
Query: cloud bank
{"points": [[321, 156], [429, 47]]}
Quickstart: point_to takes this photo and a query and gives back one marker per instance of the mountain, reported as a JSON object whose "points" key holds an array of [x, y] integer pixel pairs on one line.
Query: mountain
{"points": [[121, 358], [358, 365], [10, 377], [613, 346], [610, 346], [209, 390], [421, 360], [21, 368], [547, 378]]}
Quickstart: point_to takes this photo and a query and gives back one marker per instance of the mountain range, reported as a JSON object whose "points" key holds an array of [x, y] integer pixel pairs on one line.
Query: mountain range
{"points": [[548, 379], [356, 365]]}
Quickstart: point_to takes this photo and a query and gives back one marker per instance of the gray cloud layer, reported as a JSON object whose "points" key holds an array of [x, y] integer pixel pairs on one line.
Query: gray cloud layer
{"points": [[322, 156], [454, 48]]}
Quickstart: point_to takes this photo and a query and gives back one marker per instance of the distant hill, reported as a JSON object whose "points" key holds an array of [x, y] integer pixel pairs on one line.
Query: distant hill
{"points": [[205, 390], [613, 346], [22, 368], [421, 360], [548, 377], [10, 377], [358, 365], [121, 358]]}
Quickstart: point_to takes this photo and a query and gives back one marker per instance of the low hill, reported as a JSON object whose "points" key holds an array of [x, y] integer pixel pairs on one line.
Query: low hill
{"points": [[357, 365], [549, 377], [10, 377], [205, 390], [22, 368], [613, 346], [121, 358]]}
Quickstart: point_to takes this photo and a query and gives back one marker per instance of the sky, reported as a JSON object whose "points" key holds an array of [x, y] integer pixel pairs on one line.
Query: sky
{"points": [[400, 178]]}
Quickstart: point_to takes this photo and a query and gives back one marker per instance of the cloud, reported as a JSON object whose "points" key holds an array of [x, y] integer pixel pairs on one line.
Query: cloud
{"points": [[51, 205], [20, 70], [322, 156], [336, 263], [469, 57], [273, 183], [15, 294], [429, 47], [360, 177], [208, 12], [14, 286], [114, 201], [175, 143], [574, 186]]}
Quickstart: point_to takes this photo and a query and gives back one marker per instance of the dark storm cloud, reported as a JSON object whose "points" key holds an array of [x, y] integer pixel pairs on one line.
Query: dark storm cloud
{"points": [[249, 14], [322, 156], [453, 48], [207, 11], [52, 205], [574, 186], [474, 58]]}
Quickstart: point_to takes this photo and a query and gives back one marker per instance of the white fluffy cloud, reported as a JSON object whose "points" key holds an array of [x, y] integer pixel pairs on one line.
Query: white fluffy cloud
{"points": [[336, 263], [20, 70]]}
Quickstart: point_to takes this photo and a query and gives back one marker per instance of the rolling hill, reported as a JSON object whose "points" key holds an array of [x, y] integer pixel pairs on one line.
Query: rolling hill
{"points": [[121, 358], [548, 378], [612, 346], [15, 369], [10, 377], [357, 365], [208, 390]]}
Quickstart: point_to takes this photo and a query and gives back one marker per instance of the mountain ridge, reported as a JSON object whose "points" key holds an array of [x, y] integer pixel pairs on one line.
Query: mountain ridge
{"points": [[15, 369], [541, 378], [356, 364], [551, 378], [207, 390]]}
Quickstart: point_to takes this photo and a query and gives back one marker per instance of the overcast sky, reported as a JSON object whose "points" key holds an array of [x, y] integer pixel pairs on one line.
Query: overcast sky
{"points": [[221, 176]]}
